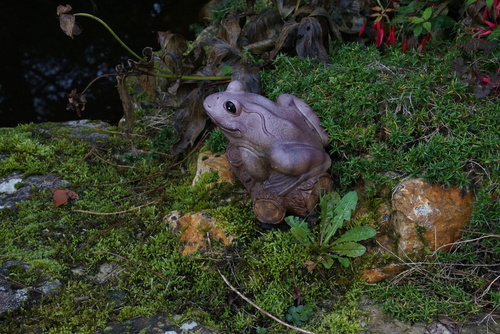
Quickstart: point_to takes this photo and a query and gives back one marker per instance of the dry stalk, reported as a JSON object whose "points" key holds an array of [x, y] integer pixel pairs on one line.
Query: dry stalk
{"points": [[259, 308]]}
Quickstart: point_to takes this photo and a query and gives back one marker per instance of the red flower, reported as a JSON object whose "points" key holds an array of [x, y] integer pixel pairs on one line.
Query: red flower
{"points": [[391, 39], [425, 39], [492, 26], [379, 38], [362, 30], [405, 45]]}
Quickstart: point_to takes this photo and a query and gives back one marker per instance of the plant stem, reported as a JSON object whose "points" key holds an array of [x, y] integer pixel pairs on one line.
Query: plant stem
{"points": [[165, 75], [112, 33]]}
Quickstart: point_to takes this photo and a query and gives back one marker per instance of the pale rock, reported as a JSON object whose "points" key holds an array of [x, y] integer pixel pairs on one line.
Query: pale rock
{"points": [[428, 216], [209, 162]]}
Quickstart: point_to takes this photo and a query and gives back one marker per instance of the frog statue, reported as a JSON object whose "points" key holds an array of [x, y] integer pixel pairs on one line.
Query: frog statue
{"points": [[277, 150]]}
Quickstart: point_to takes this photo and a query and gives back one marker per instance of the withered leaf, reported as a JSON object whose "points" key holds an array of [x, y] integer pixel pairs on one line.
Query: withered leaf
{"points": [[286, 40], [232, 30], [248, 75], [260, 33], [76, 102], [310, 40], [147, 81], [61, 196], [127, 104], [481, 91], [475, 44], [69, 26], [285, 7], [310, 265], [61, 9], [173, 47], [190, 119]]}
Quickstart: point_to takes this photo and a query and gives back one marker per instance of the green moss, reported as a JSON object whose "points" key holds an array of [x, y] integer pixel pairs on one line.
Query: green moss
{"points": [[382, 115]]}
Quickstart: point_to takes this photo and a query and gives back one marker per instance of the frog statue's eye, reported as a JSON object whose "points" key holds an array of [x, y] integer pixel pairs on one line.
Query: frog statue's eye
{"points": [[229, 106]]}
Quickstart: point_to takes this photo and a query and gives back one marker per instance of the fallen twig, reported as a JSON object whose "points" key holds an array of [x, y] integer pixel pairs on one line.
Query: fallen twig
{"points": [[259, 308], [117, 212]]}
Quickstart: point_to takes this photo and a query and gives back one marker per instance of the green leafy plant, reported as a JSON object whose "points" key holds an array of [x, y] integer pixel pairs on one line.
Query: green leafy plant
{"points": [[299, 314], [334, 212]]}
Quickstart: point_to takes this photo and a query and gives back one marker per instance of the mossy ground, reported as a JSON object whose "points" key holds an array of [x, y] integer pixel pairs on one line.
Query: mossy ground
{"points": [[388, 115]]}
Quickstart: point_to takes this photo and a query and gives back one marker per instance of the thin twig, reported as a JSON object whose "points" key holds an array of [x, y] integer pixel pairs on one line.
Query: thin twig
{"points": [[110, 163], [11, 281], [259, 308], [98, 235], [117, 212]]}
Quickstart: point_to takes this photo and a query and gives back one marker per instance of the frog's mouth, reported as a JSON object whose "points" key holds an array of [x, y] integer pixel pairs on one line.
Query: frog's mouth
{"points": [[233, 131]]}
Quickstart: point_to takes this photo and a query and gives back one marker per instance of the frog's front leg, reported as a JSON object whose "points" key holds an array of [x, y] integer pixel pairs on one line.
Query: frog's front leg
{"points": [[253, 163]]}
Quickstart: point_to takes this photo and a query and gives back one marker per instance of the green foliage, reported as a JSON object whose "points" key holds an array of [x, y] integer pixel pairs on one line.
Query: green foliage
{"points": [[423, 17], [299, 314], [414, 302], [382, 115], [217, 142], [334, 212]]}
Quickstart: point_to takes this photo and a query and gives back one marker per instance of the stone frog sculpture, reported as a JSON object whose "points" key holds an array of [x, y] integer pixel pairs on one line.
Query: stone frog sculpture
{"points": [[277, 150]]}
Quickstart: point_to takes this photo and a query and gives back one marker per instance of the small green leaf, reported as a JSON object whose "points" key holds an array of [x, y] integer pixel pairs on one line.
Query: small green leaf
{"points": [[343, 261], [470, 2], [300, 230], [327, 261], [427, 26], [489, 3], [351, 249], [427, 13], [415, 20], [226, 69], [357, 233], [342, 212], [417, 30]]}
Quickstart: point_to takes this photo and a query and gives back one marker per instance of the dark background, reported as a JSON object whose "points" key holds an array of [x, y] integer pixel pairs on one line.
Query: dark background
{"points": [[40, 65]]}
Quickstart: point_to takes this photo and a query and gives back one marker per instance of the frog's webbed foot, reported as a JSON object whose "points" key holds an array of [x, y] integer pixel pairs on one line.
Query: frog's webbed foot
{"points": [[302, 199], [268, 207]]}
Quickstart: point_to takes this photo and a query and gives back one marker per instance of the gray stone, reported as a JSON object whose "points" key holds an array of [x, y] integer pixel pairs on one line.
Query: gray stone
{"points": [[10, 196], [14, 296]]}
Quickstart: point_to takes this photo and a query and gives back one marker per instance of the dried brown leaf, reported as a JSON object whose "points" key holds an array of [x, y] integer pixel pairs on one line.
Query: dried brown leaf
{"points": [[232, 30], [263, 27], [310, 40], [61, 196], [173, 47], [127, 103], [61, 9], [190, 119], [248, 75], [76, 102], [69, 26], [286, 40], [285, 7]]}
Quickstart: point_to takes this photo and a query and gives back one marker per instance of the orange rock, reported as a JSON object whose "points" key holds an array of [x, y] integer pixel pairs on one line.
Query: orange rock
{"points": [[209, 162], [379, 274], [429, 215], [194, 231]]}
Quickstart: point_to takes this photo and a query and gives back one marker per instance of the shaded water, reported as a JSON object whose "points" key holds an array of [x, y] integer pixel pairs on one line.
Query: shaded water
{"points": [[40, 65]]}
